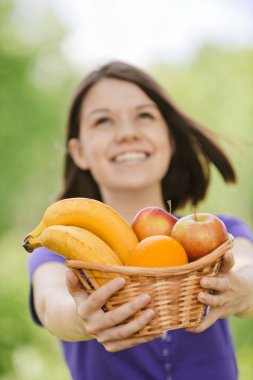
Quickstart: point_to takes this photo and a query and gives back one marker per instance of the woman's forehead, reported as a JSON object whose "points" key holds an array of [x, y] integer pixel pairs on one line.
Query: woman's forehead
{"points": [[109, 93]]}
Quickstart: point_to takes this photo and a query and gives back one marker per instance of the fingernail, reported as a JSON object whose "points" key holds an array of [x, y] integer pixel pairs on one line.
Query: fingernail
{"points": [[149, 313], [202, 296], [205, 282], [120, 281], [143, 298]]}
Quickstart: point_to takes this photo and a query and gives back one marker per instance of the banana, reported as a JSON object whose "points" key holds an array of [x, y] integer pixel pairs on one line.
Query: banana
{"points": [[76, 243], [94, 216]]}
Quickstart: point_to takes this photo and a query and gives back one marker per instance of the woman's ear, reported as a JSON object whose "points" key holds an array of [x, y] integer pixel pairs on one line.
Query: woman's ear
{"points": [[77, 154]]}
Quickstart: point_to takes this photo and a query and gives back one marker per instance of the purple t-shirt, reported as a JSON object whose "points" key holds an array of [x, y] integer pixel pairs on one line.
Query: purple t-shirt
{"points": [[179, 355]]}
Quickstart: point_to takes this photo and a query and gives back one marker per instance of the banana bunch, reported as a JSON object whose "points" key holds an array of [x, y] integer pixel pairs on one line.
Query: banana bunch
{"points": [[76, 243], [84, 229]]}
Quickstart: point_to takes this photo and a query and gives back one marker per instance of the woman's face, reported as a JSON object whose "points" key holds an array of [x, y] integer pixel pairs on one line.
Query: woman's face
{"points": [[124, 140]]}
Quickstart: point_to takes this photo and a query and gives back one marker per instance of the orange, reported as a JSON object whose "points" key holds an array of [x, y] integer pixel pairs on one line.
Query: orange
{"points": [[157, 251]]}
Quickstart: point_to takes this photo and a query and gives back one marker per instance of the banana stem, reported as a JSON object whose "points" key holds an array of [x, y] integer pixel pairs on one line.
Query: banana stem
{"points": [[31, 243]]}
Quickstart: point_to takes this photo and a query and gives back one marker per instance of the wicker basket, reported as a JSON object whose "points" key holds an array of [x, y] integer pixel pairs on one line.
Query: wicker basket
{"points": [[173, 290]]}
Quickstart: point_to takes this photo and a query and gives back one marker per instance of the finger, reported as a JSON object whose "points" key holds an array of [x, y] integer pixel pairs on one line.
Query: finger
{"points": [[99, 297], [207, 322], [116, 315], [220, 284], [227, 262], [115, 346], [75, 287], [125, 331], [211, 300], [121, 313]]}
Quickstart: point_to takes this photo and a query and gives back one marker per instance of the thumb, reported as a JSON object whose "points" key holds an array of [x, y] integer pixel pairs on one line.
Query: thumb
{"points": [[75, 287], [227, 262]]}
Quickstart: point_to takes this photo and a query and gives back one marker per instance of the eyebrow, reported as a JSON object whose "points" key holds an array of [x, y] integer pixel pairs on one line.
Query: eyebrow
{"points": [[147, 105], [98, 110]]}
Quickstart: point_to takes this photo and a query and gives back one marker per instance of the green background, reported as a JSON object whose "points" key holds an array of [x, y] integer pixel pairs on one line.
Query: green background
{"points": [[37, 82]]}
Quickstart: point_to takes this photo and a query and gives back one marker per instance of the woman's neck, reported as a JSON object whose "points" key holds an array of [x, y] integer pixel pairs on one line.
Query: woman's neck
{"points": [[128, 203]]}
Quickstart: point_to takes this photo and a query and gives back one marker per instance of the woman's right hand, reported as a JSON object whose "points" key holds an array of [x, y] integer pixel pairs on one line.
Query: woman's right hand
{"points": [[109, 328]]}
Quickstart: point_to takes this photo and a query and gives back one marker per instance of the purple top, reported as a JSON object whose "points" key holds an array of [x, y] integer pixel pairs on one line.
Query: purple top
{"points": [[179, 355]]}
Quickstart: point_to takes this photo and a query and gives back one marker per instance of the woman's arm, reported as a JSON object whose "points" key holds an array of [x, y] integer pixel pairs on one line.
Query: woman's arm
{"points": [[232, 289], [54, 305], [68, 312], [243, 254]]}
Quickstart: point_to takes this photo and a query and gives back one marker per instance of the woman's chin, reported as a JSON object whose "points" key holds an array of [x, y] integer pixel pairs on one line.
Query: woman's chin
{"points": [[137, 185]]}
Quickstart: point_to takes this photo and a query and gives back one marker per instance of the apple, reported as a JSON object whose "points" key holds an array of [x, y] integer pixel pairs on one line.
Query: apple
{"points": [[152, 221], [199, 234]]}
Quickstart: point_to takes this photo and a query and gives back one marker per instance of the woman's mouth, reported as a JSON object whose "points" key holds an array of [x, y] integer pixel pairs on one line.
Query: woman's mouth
{"points": [[130, 157]]}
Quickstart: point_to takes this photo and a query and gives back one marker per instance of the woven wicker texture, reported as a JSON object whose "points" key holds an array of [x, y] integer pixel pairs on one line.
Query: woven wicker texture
{"points": [[173, 290]]}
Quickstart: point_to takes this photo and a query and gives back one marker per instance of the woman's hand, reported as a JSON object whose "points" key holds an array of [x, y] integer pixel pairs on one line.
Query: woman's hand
{"points": [[109, 328], [229, 294]]}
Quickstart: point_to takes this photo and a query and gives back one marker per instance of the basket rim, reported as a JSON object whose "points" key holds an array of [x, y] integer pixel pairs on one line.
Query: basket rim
{"points": [[124, 269]]}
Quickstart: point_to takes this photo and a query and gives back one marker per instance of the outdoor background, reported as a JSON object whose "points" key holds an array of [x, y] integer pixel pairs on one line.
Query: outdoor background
{"points": [[202, 52]]}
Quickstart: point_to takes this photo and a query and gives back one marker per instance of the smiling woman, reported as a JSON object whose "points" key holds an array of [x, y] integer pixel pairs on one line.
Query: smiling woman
{"points": [[131, 147], [191, 147]]}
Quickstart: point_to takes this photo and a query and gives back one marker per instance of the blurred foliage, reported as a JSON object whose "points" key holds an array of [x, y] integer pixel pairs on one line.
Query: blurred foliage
{"points": [[36, 86], [34, 81]]}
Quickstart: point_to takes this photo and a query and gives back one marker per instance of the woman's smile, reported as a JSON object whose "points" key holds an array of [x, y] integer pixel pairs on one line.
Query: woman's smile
{"points": [[130, 157]]}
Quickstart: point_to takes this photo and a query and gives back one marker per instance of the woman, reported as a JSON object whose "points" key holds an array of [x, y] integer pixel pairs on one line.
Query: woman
{"points": [[129, 146]]}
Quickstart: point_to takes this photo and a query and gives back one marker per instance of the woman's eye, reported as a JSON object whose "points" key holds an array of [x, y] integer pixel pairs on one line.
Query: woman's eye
{"points": [[102, 120], [145, 115]]}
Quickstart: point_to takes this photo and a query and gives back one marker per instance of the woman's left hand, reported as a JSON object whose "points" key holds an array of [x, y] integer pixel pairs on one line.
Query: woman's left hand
{"points": [[229, 294]]}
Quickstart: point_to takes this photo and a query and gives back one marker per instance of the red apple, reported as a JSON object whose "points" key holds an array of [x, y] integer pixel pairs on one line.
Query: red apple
{"points": [[199, 234], [153, 221]]}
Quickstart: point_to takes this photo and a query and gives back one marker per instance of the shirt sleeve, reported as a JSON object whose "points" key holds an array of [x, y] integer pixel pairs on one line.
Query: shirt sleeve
{"points": [[237, 227], [37, 258]]}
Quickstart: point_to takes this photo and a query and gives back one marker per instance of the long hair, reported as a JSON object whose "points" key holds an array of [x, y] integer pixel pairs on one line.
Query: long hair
{"points": [[188, 175]]}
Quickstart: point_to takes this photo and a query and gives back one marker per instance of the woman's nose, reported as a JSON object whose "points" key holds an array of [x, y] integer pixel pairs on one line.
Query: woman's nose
{"points": [[127, 130]]}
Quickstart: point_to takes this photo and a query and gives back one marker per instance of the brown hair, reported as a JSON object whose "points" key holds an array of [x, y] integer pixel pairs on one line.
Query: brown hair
{"points": [[188, 175]]}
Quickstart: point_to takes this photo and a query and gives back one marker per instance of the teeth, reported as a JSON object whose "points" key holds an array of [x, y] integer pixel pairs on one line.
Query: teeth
{"points": [[130, 157]]}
